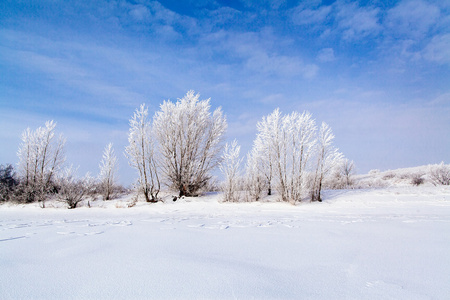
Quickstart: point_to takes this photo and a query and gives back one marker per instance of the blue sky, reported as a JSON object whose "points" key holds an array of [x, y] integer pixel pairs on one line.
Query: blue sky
{"points": [[377, 71]]}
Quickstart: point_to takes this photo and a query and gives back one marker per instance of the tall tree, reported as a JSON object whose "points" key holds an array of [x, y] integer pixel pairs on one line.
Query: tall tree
{"points": [[41, 155], [141, 154], [282, 151], [190, 140], [230, 167], [328, 158], [108, 169]]}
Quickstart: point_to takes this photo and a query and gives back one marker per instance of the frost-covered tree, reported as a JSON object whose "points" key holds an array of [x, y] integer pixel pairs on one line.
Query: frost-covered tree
{"points": [[141, 154], [328, 158], [41, 155], [190, 140], [262, 152], [230, 167], [255, 181], [282, 152], [108, 169]]}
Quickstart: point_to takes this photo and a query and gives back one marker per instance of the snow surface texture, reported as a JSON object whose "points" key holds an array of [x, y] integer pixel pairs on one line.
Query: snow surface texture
{"points": [[391, 243]]}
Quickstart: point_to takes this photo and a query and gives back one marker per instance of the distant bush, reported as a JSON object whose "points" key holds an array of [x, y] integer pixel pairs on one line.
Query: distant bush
{"points": [[417, 179], [8, 182], [388, 176], [440, 174], [373, 172]]}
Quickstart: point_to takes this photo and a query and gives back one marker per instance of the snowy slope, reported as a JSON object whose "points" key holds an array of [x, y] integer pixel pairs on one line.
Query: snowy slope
{"points": [[390, 243]]}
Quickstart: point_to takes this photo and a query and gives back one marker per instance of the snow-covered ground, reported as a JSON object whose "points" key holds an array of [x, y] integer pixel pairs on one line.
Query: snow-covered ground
{"points": [[391, 243]]}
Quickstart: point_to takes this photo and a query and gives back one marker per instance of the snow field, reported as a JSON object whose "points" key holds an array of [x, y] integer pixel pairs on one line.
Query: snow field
{"points": [[388, 243]]}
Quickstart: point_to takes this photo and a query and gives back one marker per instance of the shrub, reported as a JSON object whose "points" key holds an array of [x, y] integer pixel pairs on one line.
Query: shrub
{"points": [[417, 179], [8, 182], [440, 174]]}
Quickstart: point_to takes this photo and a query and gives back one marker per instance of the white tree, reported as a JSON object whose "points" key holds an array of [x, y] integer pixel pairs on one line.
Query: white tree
{"points": [[298, 145], [141, 154], [263, 151], [108, 169], [230, 167], [255, 181], [328, 158], [282, 152], [190, 140], [41, 155]]}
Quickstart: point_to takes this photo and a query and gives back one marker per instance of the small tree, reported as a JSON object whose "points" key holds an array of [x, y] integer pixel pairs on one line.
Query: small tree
{"points": [[190, 142], [328, 158], [230, 167], [141, 154], [41, 156], [108, 169], [347, 170]]}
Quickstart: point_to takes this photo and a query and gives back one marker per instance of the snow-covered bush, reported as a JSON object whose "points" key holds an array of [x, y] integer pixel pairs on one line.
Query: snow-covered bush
{"points": [[73, 190], [142, 156], [41, 155], [374, 172], [230, 167], [440, 174], [342, 177], [417, 179], [190, 141]]}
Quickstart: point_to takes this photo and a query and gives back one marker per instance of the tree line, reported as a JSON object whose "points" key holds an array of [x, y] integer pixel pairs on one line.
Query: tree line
{"points": [[177, 149]]}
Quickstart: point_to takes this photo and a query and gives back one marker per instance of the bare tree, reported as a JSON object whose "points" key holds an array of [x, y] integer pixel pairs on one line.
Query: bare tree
{"points": [[108, 169], [141, 154], [41, 156], [328, 158], [347, 170], [190, 141], [230, 167]]}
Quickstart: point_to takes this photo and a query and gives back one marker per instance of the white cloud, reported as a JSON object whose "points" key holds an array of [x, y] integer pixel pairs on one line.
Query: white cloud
{"points": [[326, 55], [357, 22], [306, 16], [443, 99], [412, 18], [438, 50], [140, 12]]}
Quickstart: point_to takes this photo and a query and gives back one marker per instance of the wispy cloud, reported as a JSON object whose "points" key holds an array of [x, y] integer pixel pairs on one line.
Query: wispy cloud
{"points": [[412, 19], [326, 55], [357, 22], [438, 50], [307, 16]]}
